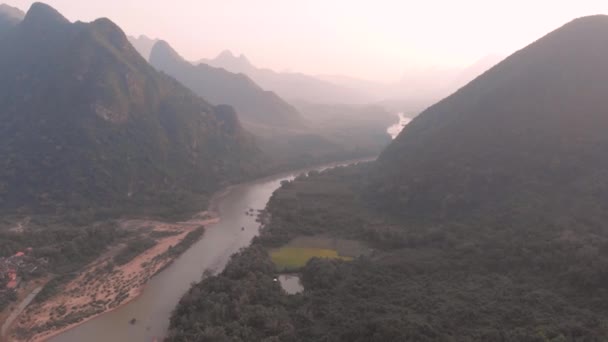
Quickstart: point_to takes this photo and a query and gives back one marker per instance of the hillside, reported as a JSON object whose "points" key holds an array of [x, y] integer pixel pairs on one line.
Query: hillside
{"points": [[254, 104], [483, 221], [87, 125], [9, 17], [528, 130]]}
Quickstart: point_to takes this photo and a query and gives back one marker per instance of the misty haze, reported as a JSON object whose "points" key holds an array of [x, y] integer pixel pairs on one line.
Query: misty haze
{"points": [[357, 171]]}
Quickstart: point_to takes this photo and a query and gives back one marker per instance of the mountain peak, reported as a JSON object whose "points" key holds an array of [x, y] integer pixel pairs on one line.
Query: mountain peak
{"points": [[143, 44], [225, 54], [229, 61], [544, 103], [162, 51], [41, 14], [112, 32], [591, 19], [243, 58], [595, 24], [12, 12], [113, 104], [229, 56]]}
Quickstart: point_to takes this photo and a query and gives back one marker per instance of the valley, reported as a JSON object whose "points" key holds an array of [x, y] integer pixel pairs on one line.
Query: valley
{"points": [[130, 154], [485, 218], [152, 307], [358, 172]]}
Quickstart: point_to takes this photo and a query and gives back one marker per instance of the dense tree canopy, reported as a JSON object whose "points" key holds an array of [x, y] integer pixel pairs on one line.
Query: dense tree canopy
{"points": [[486, 218]]}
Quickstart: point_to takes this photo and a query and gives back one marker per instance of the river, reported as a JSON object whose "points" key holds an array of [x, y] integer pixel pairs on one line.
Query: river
{"points": [[153, 308], [395, 129]]}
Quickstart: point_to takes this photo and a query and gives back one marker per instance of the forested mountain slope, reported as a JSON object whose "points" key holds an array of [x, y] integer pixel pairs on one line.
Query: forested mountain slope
{"points": [[254, 104], [528, 135], [86, 124], [484, 221]]}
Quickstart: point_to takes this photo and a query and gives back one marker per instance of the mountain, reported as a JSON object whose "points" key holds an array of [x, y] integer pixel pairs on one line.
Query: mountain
{"points": [[526, 136], [292, 139], [466, 75], [288, 85], [87, 125], [485, 220], [9, 17], [143, 45], [227, 60], [254, 104]]}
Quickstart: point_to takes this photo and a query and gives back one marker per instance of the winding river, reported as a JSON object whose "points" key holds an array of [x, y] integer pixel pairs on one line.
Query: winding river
{"points": [[236, 229], [153, 308]]}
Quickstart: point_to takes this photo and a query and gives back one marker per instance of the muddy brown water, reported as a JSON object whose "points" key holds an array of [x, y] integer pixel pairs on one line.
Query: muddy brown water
{"points": [[153, 307]]}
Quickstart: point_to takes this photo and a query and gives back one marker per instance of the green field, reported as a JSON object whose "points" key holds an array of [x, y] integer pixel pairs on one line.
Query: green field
{"points": [[291, 258]]}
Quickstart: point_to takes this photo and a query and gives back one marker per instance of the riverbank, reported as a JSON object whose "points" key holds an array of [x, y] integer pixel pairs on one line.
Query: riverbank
{"points": [[157, 297], [104, 286], [25, 297]]}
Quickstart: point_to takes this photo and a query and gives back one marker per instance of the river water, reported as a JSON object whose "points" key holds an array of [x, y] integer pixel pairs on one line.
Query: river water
{"points": [[153, 308], [395, 129]]}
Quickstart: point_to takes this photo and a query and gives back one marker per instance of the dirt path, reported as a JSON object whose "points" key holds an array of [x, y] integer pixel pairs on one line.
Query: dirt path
{"points": [[17, 311]]}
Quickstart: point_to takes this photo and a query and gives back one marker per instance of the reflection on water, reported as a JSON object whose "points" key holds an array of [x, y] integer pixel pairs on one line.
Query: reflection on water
{"points": [[291, 283], [395, 129]]}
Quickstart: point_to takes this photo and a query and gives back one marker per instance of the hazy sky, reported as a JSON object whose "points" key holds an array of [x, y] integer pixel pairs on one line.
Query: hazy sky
{"points": [[373, 39]]}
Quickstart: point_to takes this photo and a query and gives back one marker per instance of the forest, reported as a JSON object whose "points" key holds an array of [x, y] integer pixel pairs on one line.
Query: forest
{"points": [[447, 281]]}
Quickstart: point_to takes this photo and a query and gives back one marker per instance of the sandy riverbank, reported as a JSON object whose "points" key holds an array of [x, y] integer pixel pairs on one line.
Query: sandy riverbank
{"points": [[97, 291], [101, 288]]}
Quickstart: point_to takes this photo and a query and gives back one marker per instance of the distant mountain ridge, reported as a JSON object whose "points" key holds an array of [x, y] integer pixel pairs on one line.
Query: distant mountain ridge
{"points": [[9, 17], [417, 88], [87, 125], [227, 60], [290, 138], [290, 86], [254, 104], [143, 44], [12, 12]]}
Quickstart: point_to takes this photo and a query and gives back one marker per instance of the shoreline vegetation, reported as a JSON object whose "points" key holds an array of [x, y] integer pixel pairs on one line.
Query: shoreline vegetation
{"points": [[419, 280], [85, 297], [105, 285]]}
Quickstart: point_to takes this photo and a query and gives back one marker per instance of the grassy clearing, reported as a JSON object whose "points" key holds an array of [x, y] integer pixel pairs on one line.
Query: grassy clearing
{"points": [[344, 247], [291, 258]]}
